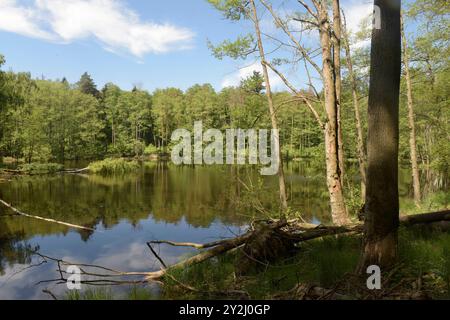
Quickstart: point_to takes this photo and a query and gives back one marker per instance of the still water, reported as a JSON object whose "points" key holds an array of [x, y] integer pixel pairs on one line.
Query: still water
{"points": [[161, 202]]}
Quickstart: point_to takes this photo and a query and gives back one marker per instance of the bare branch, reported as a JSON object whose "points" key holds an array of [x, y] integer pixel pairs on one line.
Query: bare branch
{"points": [[44, 219], [298, 93], [283, 26], [308, 8]]}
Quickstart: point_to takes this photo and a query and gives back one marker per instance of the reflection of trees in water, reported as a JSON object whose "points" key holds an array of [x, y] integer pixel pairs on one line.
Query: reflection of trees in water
{"points": [[14, 250], [166, 193], [163, 192]]}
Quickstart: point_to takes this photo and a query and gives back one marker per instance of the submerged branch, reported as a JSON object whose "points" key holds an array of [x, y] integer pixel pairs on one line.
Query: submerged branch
{"points": [[17, 211]]}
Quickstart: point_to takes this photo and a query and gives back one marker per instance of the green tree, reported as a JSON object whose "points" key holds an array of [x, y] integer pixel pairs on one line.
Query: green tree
{"points": [[87, 86]]}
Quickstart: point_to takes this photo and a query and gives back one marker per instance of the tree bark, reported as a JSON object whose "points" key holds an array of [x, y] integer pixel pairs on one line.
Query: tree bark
{"points": [[362, 156], [382, 202], [338, 208], [273, 117], [337, 30], [411, 122]]}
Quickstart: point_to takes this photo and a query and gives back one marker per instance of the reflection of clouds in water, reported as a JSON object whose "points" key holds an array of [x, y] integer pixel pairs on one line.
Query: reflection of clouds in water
{"points": [[20, 282], [137, 257], [122, 247]]}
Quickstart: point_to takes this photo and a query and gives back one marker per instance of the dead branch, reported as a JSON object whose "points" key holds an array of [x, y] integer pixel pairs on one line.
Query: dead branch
{"points": [[44, 219], [425, 218], [220, 248], [50, 294], [189, 244], [293, 231], [74, 171]]}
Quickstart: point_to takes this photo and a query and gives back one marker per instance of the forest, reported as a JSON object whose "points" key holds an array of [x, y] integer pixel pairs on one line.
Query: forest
{"points": [[369, 127]]}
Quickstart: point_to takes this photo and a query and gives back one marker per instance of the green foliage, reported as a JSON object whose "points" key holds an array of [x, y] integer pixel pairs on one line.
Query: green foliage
{"points": [[432, 202], [240, 48], [87, 86], [97, 294], [140, 293], [40, 168], [150, 150], [427, 255], [323, 262], [254, 83], [231, 9], [113, 166]]}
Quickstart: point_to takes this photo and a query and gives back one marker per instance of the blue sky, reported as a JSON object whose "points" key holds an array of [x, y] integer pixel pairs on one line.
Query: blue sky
{"points": [[154, 44]]}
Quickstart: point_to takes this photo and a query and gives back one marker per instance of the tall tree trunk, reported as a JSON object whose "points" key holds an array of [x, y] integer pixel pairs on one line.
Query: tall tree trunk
{"points": [[273, 117], [338, 209], [382, 203], [412, 126], [362, 156], [337, 25]]}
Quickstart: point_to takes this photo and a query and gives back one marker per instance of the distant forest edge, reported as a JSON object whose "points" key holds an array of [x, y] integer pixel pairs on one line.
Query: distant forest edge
{"points": [[47, 121], [55, 121]]}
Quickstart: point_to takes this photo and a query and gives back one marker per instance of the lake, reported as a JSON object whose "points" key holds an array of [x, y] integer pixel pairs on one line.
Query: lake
{"points": [[160, 202]]}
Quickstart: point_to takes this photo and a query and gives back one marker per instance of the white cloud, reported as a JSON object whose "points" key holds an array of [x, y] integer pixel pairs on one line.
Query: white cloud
{"points": [[235, 78], [355, 13], [115, 26]]}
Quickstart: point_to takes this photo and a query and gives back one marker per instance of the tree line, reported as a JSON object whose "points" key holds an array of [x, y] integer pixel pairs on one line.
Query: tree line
{"points": [[43, 120]]}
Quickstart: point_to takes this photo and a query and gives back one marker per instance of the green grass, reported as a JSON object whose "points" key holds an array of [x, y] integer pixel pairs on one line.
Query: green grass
{"points": [[113, 166], [40, 168], [135, 293], [322, 262], [140, 293], [97, 294], [434, 202], [427, 254]]}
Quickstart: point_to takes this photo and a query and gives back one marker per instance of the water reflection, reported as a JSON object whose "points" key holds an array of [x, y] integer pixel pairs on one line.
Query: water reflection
{"points": [[160, 201]]}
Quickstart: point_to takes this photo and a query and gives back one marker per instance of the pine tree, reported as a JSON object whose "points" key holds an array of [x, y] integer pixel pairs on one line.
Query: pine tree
{"points": [[87, 85]]}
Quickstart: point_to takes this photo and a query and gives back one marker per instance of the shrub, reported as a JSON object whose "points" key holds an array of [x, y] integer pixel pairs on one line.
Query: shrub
{"points": [[150, 150], [41, 168], [113, 166]]}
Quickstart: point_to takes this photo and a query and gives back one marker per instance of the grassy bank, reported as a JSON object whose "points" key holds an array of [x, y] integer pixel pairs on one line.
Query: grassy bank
{"points": [[40, 168], [424, 264], [113, 166]]}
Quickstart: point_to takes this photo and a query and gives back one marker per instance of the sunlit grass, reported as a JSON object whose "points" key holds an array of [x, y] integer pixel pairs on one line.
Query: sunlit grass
{"points": [[434, 202], [322, 262], [113, 166], [40, 168]]}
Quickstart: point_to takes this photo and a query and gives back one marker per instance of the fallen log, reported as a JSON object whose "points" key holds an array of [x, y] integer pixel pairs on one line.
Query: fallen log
{"points": [[17, 211], [425, 218], [296, 235], [74, 171], [219, 248], [11, 171], [23, 173]]}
